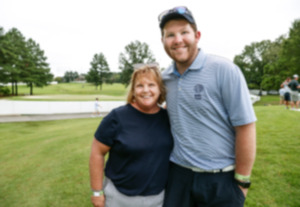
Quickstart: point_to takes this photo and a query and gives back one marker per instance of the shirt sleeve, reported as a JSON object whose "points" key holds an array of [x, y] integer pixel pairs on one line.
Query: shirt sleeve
{"points": [[237, 99], [107, 131]]}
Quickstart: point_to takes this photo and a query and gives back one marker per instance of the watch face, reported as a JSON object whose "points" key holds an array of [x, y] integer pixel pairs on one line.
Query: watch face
{"points": [[244, 184], [247, 185]]}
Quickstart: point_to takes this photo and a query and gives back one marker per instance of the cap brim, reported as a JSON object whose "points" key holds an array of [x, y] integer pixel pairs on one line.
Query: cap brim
{"points": [[173, 16]]}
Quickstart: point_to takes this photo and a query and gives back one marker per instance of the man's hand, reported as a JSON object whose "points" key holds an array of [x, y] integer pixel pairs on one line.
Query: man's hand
{"points": [[244, 190]]}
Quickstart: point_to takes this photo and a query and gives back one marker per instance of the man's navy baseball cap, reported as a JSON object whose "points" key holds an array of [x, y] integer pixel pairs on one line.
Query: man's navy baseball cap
{"points": [[176, 12]]}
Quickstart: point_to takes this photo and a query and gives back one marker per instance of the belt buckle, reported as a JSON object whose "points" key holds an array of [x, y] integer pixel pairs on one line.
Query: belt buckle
{"points": [[228, 168], [216, 171]]}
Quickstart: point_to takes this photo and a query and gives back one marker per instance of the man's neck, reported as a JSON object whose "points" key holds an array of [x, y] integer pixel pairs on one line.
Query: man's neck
{"points": [[182, 67]]}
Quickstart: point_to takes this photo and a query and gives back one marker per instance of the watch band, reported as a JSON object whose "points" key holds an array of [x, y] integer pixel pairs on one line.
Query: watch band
{"points": [[242, 177], [97, 193], [244, 184]]}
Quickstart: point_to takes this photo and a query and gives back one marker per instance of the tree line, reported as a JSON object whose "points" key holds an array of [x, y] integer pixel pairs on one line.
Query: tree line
{"points": [[264, 64], [136, 52], [23, 61]]}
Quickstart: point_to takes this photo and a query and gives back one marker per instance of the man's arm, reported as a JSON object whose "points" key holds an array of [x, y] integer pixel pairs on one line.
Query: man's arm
{"points": [[97, 161], [245, 150]]}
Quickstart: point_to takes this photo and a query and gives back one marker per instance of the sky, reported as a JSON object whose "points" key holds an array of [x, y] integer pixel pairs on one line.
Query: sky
{"points": [[71, 32]]}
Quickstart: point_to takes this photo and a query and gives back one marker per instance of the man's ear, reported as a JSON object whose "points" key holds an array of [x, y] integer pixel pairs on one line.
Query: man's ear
{"points": [[198, 35]]}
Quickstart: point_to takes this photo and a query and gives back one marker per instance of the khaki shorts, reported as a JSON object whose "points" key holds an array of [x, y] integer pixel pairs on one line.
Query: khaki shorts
{"points": [[294, 96], [113, 198]]}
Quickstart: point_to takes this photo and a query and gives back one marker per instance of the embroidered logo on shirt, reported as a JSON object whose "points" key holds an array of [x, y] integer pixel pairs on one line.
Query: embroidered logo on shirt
{"points": [[198, 88]]}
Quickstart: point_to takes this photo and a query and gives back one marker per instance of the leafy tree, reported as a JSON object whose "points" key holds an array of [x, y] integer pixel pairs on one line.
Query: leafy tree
{"points": [[283, 58], [135, 52], [275, 70], [99, 70], [70, 76], [114, 78], [22, 60], [35, 70], [291, 48], [3, 76], [58, 79], [12, 52], [252, 62]]}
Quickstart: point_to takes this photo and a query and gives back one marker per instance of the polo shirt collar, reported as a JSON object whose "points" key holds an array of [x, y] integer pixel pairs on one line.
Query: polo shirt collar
{"points": [[199, 61]]}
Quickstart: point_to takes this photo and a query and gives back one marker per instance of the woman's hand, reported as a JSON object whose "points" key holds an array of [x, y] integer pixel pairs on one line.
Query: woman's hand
{"points": [[98, 201]]}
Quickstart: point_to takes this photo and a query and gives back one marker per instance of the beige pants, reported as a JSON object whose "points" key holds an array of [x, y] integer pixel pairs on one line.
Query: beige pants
{"points": [[113, 198]]}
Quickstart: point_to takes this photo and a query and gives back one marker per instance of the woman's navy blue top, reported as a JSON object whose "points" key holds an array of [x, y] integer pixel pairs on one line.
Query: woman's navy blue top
{"points": [[140, 149]]}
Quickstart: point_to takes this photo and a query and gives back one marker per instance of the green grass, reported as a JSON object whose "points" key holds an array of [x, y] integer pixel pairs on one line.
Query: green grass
{"points": [[87, 92], [46, 163], [72, 92], [268, 100], [276, 173]]}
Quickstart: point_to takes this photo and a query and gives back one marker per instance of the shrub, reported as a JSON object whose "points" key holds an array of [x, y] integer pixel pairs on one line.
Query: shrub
{"points": [[4, 91]]}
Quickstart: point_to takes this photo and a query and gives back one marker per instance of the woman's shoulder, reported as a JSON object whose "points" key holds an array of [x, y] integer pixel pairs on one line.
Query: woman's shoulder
{"points": [[122, 111]]}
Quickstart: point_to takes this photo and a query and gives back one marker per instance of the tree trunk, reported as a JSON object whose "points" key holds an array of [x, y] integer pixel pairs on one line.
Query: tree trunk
{"points": [[16, 86], [12, 89], [260, 90], [31, 89]]}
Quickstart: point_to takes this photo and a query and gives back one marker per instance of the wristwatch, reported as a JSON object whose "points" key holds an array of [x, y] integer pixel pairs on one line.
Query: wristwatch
{"points": [[244, 184]]}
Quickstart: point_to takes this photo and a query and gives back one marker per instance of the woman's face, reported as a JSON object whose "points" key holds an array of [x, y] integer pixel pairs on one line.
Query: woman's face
{"points": [[146, 93]]}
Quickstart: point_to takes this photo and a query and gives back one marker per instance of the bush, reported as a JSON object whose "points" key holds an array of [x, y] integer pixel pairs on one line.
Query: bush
{"points": [[4, 91]]}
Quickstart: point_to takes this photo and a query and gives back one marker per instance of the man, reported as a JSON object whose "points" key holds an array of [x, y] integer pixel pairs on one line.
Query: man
{"points": [[96, 108], [281, 96], [294, 85], [212, 120], [287, 91]]}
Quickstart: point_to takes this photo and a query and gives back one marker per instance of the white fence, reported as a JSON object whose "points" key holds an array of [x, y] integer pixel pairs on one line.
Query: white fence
{"points": [[254, 98], [62, 107], [54, 107]]}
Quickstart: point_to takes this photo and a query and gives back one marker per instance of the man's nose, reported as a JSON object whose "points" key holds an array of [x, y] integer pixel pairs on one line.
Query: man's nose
{"points": [[178, 38]]}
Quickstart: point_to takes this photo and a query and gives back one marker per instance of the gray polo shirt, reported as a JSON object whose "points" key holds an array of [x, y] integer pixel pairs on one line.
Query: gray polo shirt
{"points": [[204, 105]]}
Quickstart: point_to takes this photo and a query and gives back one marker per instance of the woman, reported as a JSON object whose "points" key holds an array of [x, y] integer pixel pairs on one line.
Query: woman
{"points": [[287, 92], [138, 139]]}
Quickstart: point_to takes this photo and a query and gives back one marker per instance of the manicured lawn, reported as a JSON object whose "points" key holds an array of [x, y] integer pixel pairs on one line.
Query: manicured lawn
{"points": [[276, 173], [87, 92], [46, 163], [268, 100], [72, 92]]}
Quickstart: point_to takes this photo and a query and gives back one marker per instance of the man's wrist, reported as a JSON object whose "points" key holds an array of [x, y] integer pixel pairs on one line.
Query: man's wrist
{"points": [[97, 193], [242, 180], [240, 177]]}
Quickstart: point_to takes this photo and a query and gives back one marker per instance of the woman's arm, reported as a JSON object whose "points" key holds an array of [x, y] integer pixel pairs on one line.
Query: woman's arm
{"points": [[97, 162]]}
